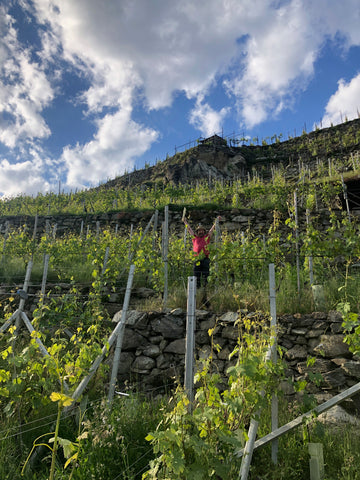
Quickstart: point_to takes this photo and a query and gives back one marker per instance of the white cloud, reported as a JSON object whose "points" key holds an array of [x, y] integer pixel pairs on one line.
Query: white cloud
{"points": [[22, 177], [137, 55], [344, 104], [24, 90], [114, 148], [206, 119]]}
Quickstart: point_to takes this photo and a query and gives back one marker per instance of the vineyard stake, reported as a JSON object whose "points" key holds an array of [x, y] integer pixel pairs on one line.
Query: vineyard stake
{"points": [[190, 340], [311, 264], [155, 226], [270, 355], [185, 237], [344, 187], [106, 258], [7, 227], [45, 273], [217, 241], [273, 327], [340, 397], [142, 237], [31, 329], [297, 243], [130, 240], [35, 227], [166, 251], [104, 351], [9, 321], [120, 336]]}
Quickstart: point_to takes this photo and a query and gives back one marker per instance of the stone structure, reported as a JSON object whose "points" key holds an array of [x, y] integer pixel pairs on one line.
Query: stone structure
{"points": [[235, 219], [153, 353]]}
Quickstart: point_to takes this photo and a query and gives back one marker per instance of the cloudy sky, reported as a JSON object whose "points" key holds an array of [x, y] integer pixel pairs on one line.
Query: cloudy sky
{"points": [[91, 88]]}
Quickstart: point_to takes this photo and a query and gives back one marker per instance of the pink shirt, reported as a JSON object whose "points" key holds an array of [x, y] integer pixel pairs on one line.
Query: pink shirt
{"points": [[200, 245]]}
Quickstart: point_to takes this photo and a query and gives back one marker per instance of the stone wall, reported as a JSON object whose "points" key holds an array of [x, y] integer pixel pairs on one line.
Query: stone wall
{"points": [[256, 220], [153, 353]]}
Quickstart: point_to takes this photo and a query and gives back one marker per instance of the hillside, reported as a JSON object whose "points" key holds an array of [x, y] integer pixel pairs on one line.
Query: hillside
{"points": [[221, 159], [219, 173]]}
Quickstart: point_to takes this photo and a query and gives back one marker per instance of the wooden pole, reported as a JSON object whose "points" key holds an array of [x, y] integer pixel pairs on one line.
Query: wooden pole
{"points": [[31, 329], [346, 197], [155, 226], [166, 252], [190, 340], [130, 240], [297, 242], [250, 444], [104, 351], [120, 336], [142, 237], [9, 321], [299, 420], [273, 327], [310, 260], [45, 273], [7, 227], [106, 258]]}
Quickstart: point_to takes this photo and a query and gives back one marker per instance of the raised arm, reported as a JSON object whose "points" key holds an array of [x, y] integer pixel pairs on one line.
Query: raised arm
{"points": [[190, 230], [211, 231]]}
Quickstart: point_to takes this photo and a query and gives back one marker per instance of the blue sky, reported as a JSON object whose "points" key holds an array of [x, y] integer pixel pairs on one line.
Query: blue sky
{"points": [[90, 89]]}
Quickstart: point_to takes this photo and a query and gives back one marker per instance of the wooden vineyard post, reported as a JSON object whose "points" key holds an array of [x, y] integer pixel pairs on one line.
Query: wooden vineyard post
{"points": [[106, 259], [270, 356], [344, 187], [297, 242], [131, 255], [185, 238], [7, 227], [316, 461], [35, 228], [130, 240], [95, 365], [155, 226], [120, 336], [23, 297], [165, 254], [311, 264], [45, 273], [217, 242], [190, 340], [273, 326]]}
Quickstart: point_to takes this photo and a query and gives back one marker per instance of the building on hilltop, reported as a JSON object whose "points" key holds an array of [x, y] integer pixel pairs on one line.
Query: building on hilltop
{"points": [[214, 140]]}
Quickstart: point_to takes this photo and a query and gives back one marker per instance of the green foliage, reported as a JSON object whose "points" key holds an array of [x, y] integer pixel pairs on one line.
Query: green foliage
{"points": [[116, 439], [199, 440]]}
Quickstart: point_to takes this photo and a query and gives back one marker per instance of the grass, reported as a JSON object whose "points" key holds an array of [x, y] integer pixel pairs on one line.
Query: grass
{"points": [[341, 449], [113, 442], [115, 447]]}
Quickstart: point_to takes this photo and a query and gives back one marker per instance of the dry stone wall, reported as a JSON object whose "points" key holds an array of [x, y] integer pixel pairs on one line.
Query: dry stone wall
{"points": [[233, 220], [153, 353]]}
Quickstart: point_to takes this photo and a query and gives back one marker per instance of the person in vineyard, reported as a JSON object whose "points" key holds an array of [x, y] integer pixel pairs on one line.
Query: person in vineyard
{"points": [[200, 241]]}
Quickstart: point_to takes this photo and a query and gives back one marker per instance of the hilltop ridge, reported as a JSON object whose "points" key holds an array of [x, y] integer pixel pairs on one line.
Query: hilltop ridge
{"points": [[221, 159]]}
